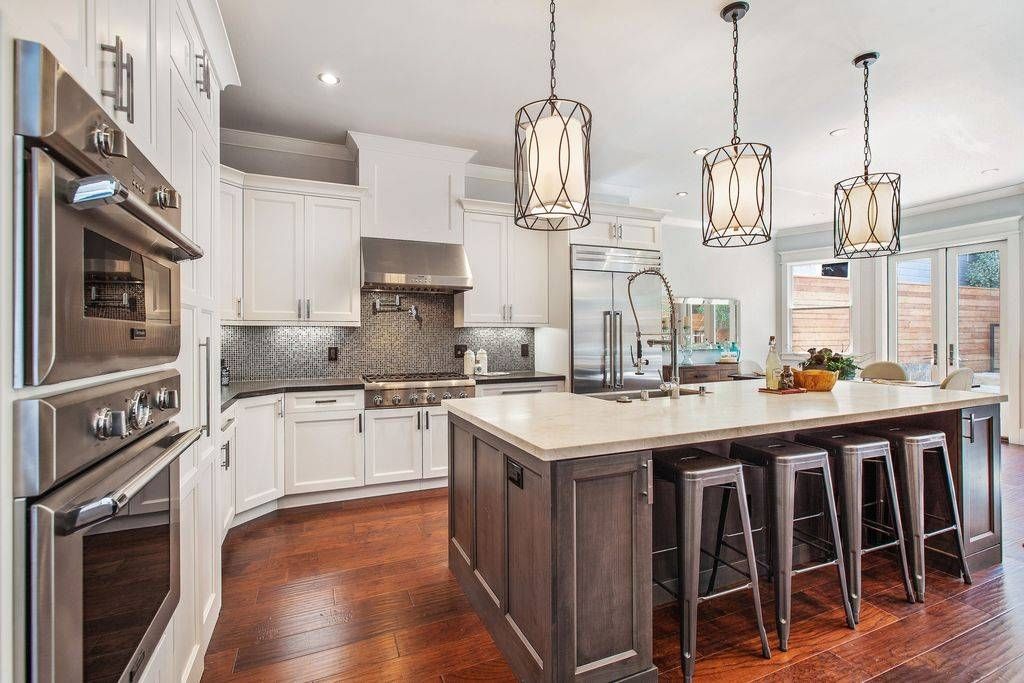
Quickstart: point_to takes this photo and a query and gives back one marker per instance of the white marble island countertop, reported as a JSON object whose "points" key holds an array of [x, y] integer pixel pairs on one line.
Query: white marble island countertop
{"points": [[560, 426]]}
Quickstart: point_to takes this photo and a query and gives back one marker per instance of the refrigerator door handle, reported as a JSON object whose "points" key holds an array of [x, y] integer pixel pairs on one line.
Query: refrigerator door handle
{"points": [[606, 351], [621, 383]]}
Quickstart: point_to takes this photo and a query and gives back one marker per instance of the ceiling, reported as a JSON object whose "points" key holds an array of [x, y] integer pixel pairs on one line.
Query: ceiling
{"points": [[946, 95]]}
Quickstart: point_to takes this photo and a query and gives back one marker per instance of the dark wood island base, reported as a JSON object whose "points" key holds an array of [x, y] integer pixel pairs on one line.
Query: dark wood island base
{"points": [[556, 556]]}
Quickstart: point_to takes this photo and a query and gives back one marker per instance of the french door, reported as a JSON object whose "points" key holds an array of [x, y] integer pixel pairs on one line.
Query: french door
{"points": [[945, 312]]}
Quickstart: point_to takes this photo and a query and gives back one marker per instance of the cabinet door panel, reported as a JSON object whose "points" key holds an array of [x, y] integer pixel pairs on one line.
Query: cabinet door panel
{"points": [[394, 445], [135, 21], [257, 462], [184, 143], [273, 248], [978, 484], [323, 451], [600, 232], [332, 276], [225, 469], [639, 234], [484, 242], [186, 623], [207, 550], [527, 276], [489, 530], [435, 442], [207, 172], [229, 253]]}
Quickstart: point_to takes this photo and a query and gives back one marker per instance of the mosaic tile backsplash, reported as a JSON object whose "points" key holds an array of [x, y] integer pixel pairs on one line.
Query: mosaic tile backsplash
{"points": [[386, 342]]}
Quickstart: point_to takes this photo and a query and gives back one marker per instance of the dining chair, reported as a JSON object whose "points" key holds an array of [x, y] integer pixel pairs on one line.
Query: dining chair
{"points": [[961, 380], [749, 367], [884, 369]]}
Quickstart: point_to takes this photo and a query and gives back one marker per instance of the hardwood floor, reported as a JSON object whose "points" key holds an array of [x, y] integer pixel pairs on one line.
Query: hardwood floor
{"points": [[361, 590]]}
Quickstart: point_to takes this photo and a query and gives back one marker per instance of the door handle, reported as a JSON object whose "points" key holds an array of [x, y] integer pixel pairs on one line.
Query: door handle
{"points": [[299, 309], [117, 94], [969, 419], [209, 393], [621, 383], [648, 492], [308, 309], [238, 304], [359, 423], [426, 418], [952, 354], [419, 418], [935, 354], [606, 349]]}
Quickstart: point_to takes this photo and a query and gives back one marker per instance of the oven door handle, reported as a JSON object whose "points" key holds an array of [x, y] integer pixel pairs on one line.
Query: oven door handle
{"points": [[77, 518], [97, 190]]}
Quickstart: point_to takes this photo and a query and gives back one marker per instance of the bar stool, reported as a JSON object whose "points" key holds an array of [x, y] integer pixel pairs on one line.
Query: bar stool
{"points": [[782, 462], [909, 446], [692, 471], [851, 452]]}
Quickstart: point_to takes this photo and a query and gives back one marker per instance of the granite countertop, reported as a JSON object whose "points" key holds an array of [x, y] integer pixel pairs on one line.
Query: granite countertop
{"points": [[561, 426], [519, 376], [238, 390]]}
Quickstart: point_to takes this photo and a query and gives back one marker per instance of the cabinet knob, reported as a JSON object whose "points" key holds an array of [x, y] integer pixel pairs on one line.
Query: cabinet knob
{"points": [[396, 399]]}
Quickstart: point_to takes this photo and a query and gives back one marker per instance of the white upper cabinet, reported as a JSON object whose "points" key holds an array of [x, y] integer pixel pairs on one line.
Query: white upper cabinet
{"points": [[510, 270], [332, 275], [273, 249], [229, 252], [414, 188], [628, 228]]}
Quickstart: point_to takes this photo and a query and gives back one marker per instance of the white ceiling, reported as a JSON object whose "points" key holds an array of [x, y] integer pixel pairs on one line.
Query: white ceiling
{"points": [[947, 94]]}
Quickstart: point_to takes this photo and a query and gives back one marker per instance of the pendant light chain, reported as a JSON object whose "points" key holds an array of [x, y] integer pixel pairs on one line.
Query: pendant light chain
{"points": [[867, 125], [552, 27], [735, 80]]}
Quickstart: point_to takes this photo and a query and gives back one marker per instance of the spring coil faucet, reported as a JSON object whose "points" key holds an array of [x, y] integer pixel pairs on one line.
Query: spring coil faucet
{"points": [[672, 385]]}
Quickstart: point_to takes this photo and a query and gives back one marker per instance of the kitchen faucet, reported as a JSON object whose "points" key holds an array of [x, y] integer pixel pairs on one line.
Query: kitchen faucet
{"points": [[672, 385]]}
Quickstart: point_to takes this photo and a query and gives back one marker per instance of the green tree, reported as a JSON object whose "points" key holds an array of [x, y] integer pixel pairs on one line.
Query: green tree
{"points": [[980, 270]]}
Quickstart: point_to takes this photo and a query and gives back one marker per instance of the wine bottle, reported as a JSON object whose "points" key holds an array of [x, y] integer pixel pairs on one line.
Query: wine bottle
{"points": [[772, 366]]}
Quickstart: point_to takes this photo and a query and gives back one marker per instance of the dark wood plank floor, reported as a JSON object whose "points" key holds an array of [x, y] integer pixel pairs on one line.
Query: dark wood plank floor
{"points": [[361, 590]]}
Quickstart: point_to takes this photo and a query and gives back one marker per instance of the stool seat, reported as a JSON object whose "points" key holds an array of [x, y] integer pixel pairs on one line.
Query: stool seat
{"points": [[691, 463], [762, 451], [844, 443], [908, 435]]}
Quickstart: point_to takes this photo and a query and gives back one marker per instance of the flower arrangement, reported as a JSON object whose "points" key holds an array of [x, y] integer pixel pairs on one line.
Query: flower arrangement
{"points": [[827, 359]]}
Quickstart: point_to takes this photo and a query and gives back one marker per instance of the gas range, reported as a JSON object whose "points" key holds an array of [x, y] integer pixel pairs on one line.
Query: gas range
{"points": [[397, 390]]}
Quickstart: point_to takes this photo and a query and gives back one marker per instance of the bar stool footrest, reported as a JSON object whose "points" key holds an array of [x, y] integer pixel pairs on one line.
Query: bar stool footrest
{"points": [[811, 568], [929, 534]]}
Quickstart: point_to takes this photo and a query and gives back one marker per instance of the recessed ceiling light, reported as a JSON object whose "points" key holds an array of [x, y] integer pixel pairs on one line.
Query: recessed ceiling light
{"points": [[327, 78], [700, 151], [990, 171], [682, 194], [838, 132]]}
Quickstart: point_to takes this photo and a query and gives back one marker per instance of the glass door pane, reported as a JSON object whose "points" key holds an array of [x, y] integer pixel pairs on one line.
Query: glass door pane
{"points": [[915, 312], [974, 314]]}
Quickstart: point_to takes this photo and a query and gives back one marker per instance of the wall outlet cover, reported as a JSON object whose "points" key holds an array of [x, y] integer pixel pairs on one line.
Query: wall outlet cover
{"points": [[460, 350], [332, 354], [524, 350]]}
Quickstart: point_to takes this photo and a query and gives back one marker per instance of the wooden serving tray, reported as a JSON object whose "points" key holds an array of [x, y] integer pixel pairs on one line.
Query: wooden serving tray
{"points": [[794, 390]]}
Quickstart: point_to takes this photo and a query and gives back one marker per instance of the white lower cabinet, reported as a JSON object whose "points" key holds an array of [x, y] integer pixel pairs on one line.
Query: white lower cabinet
{"points": [[323, 450], [259, 456], [394, 445], [225, 474], [435, 442]]}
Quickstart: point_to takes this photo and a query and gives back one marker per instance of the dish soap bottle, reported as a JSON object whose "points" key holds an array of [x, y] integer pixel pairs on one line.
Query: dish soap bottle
{"points": [[225, 373], [772, 366], [469, 363], [481, 361]]}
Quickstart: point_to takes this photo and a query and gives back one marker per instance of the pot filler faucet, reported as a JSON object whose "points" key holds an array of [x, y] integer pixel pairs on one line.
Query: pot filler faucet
{"points": [[672, 385]]}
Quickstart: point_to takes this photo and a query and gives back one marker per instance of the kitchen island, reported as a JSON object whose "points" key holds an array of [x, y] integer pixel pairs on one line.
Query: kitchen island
{"points": [[553, 514]]}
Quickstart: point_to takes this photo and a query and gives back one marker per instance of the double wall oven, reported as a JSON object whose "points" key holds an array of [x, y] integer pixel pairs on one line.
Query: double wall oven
{"points": [[96, 482]]}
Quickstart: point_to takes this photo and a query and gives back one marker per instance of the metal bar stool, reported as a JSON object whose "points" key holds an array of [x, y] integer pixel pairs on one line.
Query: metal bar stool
{"points": [[692, 471], [782, 462], [909, 447], [851, 452]]}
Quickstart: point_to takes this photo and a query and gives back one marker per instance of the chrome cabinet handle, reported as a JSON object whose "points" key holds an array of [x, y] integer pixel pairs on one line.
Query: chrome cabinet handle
{"points": [[970, 431], [606, 343], [227, 424], [419, 417], [621, 382], [226, 462], [280, 407], [426, 417], [209, 377], [298, 303], [129, 70], [117, 94], [648, 491], [238, 305], [203, 64], [359, 422], [325, 400], [308, 309], [510, 312]]}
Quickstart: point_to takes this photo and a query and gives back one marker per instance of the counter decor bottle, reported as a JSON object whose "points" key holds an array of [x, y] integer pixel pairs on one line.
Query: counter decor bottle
{"points": [[469, 363], [772, 366], [481, 362], [225, 373]]}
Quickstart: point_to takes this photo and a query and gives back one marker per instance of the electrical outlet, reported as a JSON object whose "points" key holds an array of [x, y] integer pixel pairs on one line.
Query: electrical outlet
{"points": [[524, 350], [460, 350], [332, 354]]}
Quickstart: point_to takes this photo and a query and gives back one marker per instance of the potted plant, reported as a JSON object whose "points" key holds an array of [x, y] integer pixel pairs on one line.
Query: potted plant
{"points": [[827, 359]]}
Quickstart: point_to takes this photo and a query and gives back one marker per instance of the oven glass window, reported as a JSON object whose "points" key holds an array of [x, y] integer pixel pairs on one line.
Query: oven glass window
{"points": [[121, 284], [126, 574]]}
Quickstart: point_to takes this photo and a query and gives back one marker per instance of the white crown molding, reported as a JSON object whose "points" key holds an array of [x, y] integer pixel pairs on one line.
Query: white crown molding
{"points": [[256, 181], [232, 176], [207, 14], [279, 143], [481, 172], [487, 206], [680, 222], [378, 143]]}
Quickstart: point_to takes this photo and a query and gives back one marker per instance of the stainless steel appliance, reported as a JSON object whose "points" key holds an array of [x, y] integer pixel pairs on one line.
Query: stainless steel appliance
{"points": [[97, 236], [411, 266], [97, 537], [604, 353], [416, 389]]}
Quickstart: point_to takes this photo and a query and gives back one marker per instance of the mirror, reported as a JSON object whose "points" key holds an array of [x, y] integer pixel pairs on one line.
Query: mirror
{"points": [[705, 322]]}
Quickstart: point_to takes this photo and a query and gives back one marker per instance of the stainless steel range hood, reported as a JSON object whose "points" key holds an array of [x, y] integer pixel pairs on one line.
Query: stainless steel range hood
{"points": [[410, 266]]}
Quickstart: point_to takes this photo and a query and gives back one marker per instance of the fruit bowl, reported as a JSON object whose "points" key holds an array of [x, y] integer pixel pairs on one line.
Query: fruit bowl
{"points": [[816, 380]]}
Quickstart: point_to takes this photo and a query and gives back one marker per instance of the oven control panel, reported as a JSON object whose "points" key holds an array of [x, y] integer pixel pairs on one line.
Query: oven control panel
{"points": [[414, 398]]}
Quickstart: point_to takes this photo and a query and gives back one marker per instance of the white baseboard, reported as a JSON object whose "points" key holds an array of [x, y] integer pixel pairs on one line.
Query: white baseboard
{"points": [[303, 499]]}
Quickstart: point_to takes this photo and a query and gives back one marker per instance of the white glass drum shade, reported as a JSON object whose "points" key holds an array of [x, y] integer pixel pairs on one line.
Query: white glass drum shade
{"points": [[867, 217], [553, 166], [737, 190]]}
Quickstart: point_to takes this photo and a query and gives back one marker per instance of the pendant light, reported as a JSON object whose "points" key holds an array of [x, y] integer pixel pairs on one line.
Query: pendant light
{"points": [[552, 160], [736, 206], [867, 206]]}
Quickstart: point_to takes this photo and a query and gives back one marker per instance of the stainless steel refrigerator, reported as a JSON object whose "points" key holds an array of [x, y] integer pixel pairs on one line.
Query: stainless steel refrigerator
{"points": [[603, 329]]}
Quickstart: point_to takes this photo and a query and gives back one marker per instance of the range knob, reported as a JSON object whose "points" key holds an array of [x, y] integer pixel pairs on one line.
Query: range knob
{"points": [[431, 397], [107, 423], [447, 395], [415, 398], [167, 399], [378, 400], [139, 410], [463, 394], [110, 142], [396, 399]]}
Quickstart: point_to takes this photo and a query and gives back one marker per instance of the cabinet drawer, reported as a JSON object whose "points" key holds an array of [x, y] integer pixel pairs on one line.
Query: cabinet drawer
{"points": [[324, 400], [514, 388], [704, 373]]}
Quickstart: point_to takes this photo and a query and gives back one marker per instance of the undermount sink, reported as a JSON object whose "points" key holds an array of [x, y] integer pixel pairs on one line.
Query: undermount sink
{"points": [[635, 395]]}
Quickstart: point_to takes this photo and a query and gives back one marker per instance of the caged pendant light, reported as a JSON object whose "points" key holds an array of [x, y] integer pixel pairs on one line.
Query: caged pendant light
{"points": [[552, 160], [736, 180], [867, 206]]}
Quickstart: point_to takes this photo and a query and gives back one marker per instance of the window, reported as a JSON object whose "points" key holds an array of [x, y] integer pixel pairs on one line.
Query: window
{"points": [[820, 310]]}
